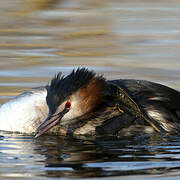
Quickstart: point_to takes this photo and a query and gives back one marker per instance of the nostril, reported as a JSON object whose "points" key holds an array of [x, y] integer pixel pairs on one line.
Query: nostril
{"points": [[68, 105]]}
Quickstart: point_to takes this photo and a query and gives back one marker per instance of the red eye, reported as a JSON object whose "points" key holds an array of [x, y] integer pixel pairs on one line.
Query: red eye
{"points": [[68, 105]]}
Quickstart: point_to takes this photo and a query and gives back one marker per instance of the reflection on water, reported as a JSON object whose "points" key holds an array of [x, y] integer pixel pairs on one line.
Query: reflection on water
{"points": [[52, 156], [120, 39]]}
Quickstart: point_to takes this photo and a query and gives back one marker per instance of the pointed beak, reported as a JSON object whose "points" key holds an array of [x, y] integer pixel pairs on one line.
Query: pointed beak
{"points": [[49, 122]]}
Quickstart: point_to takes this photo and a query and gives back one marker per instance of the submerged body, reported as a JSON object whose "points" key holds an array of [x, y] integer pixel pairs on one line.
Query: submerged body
{"points": [[83, 103]]}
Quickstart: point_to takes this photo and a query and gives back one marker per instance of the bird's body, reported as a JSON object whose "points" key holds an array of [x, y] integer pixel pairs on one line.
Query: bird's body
{"points": [[25, 112], [83, 103]]}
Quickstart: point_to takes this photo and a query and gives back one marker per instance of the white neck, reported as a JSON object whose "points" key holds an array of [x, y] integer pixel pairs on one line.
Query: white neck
{"points": [[25, 112]]}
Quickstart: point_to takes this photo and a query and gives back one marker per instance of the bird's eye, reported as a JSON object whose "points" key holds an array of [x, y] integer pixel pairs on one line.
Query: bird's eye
{"points": [[68, 105]]}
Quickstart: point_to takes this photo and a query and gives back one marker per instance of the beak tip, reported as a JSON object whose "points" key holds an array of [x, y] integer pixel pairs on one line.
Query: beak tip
{"points": [[49, 122]]}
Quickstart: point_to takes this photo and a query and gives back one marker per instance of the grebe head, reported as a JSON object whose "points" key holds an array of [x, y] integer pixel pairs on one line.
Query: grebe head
{"points": [[71, 97]]}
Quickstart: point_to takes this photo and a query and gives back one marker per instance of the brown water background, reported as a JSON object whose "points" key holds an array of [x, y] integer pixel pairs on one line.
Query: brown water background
{"points": [[136, 39]]}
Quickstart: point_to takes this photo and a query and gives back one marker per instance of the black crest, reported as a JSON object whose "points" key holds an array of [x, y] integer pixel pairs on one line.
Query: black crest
{"points": [[62, 87]]}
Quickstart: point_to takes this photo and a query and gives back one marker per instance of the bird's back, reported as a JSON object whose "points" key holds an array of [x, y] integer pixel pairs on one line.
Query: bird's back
{"points": [[159, 102]]}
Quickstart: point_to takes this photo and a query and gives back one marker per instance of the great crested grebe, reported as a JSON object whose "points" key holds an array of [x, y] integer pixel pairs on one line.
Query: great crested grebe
{"points": [[84, 103]]}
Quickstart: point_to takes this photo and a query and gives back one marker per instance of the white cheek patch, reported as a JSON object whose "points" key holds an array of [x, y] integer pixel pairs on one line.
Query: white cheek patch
{"points": [[74, 112]]}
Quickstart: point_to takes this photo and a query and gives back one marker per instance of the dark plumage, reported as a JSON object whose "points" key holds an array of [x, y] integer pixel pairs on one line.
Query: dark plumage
{"points": [[150, 96], [61, 87], [97, 106]]}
